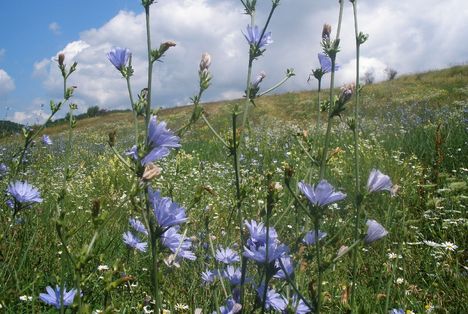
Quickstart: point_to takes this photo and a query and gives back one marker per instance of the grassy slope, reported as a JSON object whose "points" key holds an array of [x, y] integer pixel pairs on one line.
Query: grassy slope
{"points": [[436, 88]]}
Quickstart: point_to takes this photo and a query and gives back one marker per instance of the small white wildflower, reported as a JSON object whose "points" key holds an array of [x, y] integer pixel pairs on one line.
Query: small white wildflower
{"points": [[449, 246], [181, 307], [103, 267], [399, 281], [392, 255], [25, 298], [431, 243], [146, 309]]}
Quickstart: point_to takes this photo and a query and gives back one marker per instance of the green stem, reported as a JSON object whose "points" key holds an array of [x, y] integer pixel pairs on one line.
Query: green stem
{"points": [[150, 72], [135, 113], [357, 191], [155, 269], [319, 111], [318, 250], [275, 86], [214, 131]]}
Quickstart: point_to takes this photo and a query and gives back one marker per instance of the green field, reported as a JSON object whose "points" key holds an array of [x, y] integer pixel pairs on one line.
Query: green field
{"points": [[413, 129]]}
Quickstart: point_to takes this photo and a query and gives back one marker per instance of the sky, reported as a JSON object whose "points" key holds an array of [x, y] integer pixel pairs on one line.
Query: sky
{"points": [[408, 36]]}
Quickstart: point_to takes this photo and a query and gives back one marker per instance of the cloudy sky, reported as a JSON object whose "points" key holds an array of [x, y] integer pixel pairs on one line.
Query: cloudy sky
{"points": [[408, 36]]}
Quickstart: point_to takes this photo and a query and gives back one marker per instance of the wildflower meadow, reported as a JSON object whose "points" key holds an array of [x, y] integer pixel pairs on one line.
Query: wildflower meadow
{"points": [[345, 199]]}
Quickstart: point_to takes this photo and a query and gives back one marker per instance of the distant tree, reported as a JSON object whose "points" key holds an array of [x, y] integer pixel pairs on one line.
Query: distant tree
{"points": [[93, 111], [369, 77], [391, 73]]}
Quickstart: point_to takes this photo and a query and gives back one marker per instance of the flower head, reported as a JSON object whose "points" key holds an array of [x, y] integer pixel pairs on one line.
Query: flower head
{"points": [[259, 253], [378, 181], [23, 192], [449, 246], [227, 256], [299, 306], [253, 37], [233, 274], [134, 242], [205, 62], [138, 226], [309, 238], [258, 80], [167, 212], [119, 57], [321, 194], [375, 231], [273, 299], [396, 311], [160, 139], [326, 63], [288, 266], [46, 139], [208, 276], [258, 233], [346, 93], [231, 307], [326, 31], [177, 243], [53, 296]]}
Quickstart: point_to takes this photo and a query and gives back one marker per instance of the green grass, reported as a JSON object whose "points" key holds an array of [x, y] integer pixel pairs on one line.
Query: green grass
{"points": [[412, 129]]}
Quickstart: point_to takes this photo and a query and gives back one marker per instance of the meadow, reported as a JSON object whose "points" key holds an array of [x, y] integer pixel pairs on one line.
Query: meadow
{"points": [[224, 207]]}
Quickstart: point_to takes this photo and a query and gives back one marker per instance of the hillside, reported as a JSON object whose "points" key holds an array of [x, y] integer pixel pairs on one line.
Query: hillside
{"points": [[433, 89]]}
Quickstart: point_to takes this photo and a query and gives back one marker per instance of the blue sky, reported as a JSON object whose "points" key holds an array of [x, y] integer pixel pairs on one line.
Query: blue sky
{"points": [[409, 36]]}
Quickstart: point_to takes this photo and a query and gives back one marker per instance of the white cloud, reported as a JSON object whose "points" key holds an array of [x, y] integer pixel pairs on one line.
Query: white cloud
{"points": [[408, 36], [54, 27], [29, 117], [7, 84]]}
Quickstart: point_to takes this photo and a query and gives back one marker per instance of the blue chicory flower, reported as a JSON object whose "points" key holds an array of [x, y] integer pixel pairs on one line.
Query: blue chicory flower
{"points": [[273, 299], [378, 181], [177, 243], [208, 276], [259, 254], [258, 233], [23, 192], [321, 194], [288, 266], [326, 64], [231, 307], [167, 212], [46, 140], [396, 311], [309, 237], [299, 306], [253, 37], [134, 242], [227, 256], [53, 296], [160, 140], [138, 226], [233, 274], [375, 231], [119, 57]]}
